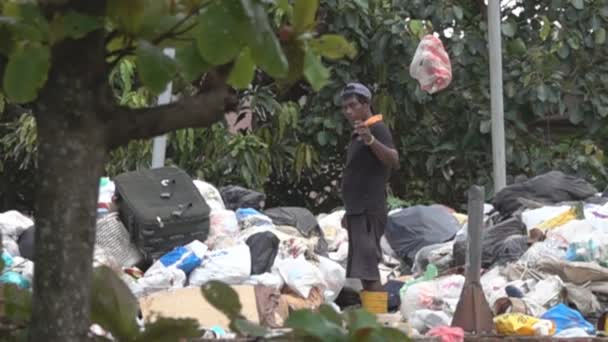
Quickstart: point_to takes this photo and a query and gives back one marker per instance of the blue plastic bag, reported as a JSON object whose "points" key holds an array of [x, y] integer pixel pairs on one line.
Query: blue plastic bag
{"points": [[567, 318]]}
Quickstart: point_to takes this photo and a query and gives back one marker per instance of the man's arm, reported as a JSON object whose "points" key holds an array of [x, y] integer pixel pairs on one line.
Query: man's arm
{"points": [[381, 145], [387, 155]]}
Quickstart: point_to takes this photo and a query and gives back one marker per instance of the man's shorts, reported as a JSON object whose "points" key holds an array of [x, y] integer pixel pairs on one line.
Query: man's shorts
{"points": [[364, 252]]}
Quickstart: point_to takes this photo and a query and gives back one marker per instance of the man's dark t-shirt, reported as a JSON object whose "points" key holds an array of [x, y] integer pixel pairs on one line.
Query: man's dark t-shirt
{"points": [[365, 176]]}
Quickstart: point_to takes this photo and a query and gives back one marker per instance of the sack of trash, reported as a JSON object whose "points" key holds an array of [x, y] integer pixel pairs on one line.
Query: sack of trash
{"points": [[211, 195], [231, 266], [504, 242], [550, 188], [411, 229], [303, 220], [237, 197]]}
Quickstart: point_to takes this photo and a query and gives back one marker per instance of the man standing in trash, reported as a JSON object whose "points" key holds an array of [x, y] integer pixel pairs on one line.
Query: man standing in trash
{"points": [[371, 156]]}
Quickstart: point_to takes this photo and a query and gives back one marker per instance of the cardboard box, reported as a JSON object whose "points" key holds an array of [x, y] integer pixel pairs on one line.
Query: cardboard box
{"points": [[190, 303]]}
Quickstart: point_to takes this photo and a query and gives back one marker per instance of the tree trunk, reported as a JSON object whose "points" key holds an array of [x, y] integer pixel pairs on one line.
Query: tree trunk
{"points": [[72, 151]]}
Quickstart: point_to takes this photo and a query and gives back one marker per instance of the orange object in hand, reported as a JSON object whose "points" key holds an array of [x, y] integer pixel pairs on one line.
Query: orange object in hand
{"points": [[373, 119]]}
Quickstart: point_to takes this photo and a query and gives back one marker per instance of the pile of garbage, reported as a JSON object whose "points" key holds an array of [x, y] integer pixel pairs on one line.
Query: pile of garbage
{"points": [[544, 258]]}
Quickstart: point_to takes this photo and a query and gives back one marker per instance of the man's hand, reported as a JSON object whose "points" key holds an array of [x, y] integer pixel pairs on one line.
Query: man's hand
{"points": [[363, 131]]}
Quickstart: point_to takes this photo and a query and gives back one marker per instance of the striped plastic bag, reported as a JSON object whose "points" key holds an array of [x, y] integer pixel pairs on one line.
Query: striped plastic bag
{"points": [[431, 65]]}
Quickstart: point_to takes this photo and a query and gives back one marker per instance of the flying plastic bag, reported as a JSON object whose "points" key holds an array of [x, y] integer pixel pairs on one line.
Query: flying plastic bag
{"points": [[431, 65]]}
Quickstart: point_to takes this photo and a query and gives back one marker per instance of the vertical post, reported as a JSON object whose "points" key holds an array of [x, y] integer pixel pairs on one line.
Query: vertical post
{"points": [[496, 93], [475, 227], [159, 144]]}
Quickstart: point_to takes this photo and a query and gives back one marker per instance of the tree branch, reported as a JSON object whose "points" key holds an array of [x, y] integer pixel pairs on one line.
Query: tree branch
{"points": [[202, 110]]}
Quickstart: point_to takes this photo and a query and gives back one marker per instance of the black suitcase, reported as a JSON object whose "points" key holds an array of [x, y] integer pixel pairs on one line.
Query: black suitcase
{"points": [[162, 209]]}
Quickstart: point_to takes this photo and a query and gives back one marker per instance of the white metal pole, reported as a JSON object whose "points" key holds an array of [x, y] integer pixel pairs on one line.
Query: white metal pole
{"points": [[159, 145], [496, 94]]}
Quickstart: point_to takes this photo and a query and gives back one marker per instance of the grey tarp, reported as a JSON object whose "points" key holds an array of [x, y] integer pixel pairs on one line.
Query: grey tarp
{"points": [[551, 187], [411, 229], [236, 197], [502, 243], [301, 219]]}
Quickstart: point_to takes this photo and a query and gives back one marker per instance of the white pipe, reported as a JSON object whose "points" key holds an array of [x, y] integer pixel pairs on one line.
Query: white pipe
{"points": [[496, 91], [159, 145]]}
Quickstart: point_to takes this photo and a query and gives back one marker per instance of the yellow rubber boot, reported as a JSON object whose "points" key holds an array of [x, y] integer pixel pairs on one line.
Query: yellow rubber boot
{"points": [[374, 302]]}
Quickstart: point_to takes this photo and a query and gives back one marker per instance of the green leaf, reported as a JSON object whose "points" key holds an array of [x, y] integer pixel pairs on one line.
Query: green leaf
{"points": [[190, 62], [458, 13], [331, 315], [563, 51], [578, 4], [265, 48], [314, 71], [155, 69], [545, 29], [363, 4], [541, 92], [304, 15], [333, 46], [113, 306], [128, 14], [243, 71], [18, 305], [307, 323], [322, 138], [417, 28], [509, 28], [26, 72], [222, 31], [360, 319], [77, 25], [169, 330], [573, 42], [223, 298], [380, 334], [599, 36], [517, 46], [246, 328]]}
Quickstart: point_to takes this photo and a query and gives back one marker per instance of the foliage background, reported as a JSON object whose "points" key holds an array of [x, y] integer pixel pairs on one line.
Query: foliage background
{"points": [[556, 103]]}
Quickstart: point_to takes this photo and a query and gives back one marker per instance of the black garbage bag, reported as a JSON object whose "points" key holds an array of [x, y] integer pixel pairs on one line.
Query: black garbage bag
{"points": [[236, 197], [26, 243], [549, 188], [414, 228], [264, 248], [501, 243], [301, 219], [392, 288]]}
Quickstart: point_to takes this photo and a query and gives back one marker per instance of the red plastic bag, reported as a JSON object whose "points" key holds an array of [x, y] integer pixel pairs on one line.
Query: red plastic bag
{"points": [[447, 334], [431, 65]]}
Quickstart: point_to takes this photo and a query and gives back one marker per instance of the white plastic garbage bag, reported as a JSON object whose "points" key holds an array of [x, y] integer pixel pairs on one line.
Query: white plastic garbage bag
{"points": [[441, 294], [334, 276], [424, 320], [249, 218], [223, 229], [230, 265], [533, 217], [162, 279], [11, 246], [334, 233], [211, 195], [13, 224], [185, 258], [300, 275], [268, 279], [547, 292]]}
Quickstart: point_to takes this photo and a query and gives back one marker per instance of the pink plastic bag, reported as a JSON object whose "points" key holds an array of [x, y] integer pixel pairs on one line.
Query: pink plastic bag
{"points": [[447, 334], [431, 65]]}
